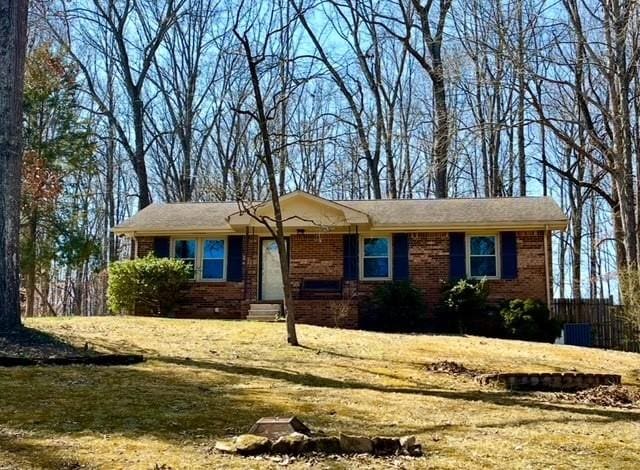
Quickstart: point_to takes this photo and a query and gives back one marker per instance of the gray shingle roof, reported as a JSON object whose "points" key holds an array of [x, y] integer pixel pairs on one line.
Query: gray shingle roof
{"points": [[447, 212], [463, 213], [193, 215]]}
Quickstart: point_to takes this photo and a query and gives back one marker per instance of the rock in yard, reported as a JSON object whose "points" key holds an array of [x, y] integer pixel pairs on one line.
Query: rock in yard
{"points": [[248, 444], [386, 445], [291, 444], [355, 444], [227, 446], [325, 445], [407, 441], [409, 446], [415, 450]]}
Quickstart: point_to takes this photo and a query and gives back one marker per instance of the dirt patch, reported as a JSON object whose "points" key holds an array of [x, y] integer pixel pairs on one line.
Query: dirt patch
{"points": [[452, 368], [616, 396]]}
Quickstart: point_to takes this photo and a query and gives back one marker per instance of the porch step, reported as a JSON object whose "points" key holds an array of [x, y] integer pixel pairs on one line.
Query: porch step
{"points": [[263, 312], [268, 307]]}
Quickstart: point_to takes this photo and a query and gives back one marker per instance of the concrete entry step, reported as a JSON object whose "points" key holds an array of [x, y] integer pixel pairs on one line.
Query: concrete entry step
{"points": [[264, 306], [264, 312]]}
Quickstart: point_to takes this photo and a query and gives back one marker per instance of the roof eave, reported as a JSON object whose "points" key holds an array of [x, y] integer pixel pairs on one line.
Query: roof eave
{"points": [[238, 227], [524, 226]]}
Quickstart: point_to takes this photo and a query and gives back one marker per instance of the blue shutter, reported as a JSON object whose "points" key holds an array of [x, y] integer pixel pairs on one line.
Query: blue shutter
{"points": [[234, 258], [162, 247], [400, 257], [457, 259], [350, 271], [509, 255]]}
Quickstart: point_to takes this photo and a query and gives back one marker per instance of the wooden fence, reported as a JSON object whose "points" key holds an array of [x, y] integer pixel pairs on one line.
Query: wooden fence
{"points": [[609, 329]]}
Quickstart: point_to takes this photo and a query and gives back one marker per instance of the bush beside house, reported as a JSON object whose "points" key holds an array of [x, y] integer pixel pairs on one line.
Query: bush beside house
{"points": [[529, 320], [464, 309], [155, 283], [396, 307]]}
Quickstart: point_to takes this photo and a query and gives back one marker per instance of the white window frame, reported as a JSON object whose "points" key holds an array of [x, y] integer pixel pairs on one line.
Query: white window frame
{"points": [[468, 238], [198, 264], [389, 257], [195, 260]]}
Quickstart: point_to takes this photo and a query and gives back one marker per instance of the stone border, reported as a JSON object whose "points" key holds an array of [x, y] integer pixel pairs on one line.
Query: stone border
{"points": [[299, 444], [97, 360], [554, 381]]}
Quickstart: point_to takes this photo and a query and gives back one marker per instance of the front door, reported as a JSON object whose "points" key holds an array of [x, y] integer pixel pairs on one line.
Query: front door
{"points": [[270, 272]]}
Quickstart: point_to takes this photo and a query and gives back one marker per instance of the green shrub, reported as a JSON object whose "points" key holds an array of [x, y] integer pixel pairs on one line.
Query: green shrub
{"points": [[529, 320], [396, 307], [463, 307], [153, 282]]}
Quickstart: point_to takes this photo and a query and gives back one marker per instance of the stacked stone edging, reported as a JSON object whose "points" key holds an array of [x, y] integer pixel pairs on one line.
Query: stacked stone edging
{"points": [[555, 381], [298, 444]]}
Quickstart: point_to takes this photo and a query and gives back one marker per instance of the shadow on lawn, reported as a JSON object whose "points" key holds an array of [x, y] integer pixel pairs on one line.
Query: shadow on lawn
{"points": [[29, 342], [182, 404], [502, 398], [35, 455], [179, 406]]}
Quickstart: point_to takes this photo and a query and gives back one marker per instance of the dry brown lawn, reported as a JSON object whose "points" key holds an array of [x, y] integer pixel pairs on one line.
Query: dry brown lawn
{"points": [[208, 379]]}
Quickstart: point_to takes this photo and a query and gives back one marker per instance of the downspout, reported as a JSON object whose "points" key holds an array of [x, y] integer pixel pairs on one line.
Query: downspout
{"points": [[134, 255], [546, 265], [245, 253]]}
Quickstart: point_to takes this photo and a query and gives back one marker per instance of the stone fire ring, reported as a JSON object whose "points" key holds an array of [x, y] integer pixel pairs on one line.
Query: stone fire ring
{"points": [[555, 381], [299, 444]]}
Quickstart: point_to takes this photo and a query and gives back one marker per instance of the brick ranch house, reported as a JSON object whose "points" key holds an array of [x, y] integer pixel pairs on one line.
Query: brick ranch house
{"points": [[341, 250]]}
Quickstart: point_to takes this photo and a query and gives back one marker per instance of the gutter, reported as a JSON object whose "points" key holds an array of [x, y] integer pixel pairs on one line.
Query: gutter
{"points": [[459, 227]]}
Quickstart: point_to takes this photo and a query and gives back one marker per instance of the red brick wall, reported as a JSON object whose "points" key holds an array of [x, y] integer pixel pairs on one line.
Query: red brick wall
{"points": [[429, 267], [320, 256], [223, 300], [531, 271], [316, 257]]}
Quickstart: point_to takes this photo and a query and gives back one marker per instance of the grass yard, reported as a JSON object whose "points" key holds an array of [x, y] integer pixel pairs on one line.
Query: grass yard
{"points": [[209, 379]]}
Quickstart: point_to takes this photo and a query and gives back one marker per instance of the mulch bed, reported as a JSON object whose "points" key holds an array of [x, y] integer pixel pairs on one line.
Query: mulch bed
{"points": [[29, 347], [615, 396], [452, 368]]}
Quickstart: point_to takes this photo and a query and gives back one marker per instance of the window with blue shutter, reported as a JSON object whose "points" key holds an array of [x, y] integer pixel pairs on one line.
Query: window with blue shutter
{"points": [[509, 255], [457, 258], [162, 247], [483, 256], [234, 258], [400, 257], [376, 258], [213, 259], [350, 271]]}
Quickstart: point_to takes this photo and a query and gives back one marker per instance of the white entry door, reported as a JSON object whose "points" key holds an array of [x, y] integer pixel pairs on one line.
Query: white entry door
{"points": [[270, 272]]}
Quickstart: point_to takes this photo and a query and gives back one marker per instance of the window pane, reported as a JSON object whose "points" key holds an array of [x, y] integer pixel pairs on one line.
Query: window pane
{"points": [[214, 249], [185, 249], [376, 247], [483, 266], [212, 269], [483, 245], [376, 267]]}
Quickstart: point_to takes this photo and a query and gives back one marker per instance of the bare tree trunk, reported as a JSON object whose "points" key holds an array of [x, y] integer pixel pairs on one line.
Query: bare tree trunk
{"points": [[522, 162], [13, 38], [271, 171], [593, 249]]}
